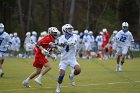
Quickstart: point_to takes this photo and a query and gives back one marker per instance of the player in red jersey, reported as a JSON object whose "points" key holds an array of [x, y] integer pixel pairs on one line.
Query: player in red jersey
{"points": [[42, 49], [106, 37]]}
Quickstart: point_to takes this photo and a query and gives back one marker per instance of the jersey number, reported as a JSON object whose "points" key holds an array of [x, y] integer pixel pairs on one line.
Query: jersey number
{"points": [[122, 39]]}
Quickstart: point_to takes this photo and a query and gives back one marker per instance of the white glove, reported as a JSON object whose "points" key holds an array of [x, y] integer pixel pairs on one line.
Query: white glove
{"points": [[53, 56], [44, 51]]}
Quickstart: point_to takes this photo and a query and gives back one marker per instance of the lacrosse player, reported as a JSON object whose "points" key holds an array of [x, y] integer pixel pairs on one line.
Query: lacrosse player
{"points": [[42, 49], [123, 40], [106, 37], [15, 44], [4, 43], [68, 55]]}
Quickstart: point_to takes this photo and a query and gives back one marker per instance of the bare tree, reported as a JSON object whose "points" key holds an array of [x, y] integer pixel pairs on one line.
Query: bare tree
{"points": [[29, 14], [21, 19], [50, 12], [117, 9], [71, 11], [88, 11], [138, 3]]}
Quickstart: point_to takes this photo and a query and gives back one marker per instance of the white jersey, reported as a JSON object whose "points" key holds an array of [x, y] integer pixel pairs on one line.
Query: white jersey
{"points": [[4, 40], [34, 38], [28, 44], [99, 40], [124, 38], [15, 41], [87, 39], [71, 54]]}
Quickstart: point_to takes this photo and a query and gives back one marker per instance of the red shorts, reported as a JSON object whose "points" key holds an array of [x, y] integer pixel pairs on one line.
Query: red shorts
{"points": [[39, 62]]}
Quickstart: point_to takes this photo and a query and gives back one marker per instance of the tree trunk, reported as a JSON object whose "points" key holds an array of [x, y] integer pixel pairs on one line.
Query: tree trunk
{"points": [[50, 14], [62, 12], [72, 8], [101, 14], [29, 15], [138, 3], [88, 11], [21, 20], [117, 9]]}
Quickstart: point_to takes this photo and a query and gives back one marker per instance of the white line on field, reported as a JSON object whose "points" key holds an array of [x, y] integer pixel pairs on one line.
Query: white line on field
{"points": [[111, 83]]}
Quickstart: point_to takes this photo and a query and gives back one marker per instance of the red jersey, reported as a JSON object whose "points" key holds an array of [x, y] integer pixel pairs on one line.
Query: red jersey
{"points": [[106, 38], [44, 41]]}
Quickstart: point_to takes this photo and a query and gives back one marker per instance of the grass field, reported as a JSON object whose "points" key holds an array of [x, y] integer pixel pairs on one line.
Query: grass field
{"points": [[97, 76]]}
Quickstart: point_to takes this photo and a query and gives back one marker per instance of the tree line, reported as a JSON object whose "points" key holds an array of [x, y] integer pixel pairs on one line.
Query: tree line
{"points": [[22, 16]]}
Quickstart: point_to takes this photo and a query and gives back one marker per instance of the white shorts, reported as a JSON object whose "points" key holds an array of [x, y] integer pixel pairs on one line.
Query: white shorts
{"points": [[29, 47], [87, 47], [15, 48], [2, 55], [122, 50], [65, 63], [114, 46]]}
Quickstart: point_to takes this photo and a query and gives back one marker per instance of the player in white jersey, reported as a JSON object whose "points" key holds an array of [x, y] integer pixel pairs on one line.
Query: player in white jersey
{"points": [[68, 55], [99, 40], [10, 47], [112, 41], [123, 40], [87, 43], [4, 43], [34, 36], [15, 46], [28, 45]]}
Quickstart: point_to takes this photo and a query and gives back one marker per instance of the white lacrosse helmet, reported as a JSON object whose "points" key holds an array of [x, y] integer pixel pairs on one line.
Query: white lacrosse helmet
{"points": [[86, 31], [125, 26], [53, 31], [1, 28], [115, 32], [34, 33], [75, 32], [44, 33], [67, 29], [104, 30], [90, 33], [11, 35], [15, 34], [101, 33], [28, 34]]}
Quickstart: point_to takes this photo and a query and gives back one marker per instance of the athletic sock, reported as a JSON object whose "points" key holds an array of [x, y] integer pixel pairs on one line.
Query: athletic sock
{"points": [[40, 76]]}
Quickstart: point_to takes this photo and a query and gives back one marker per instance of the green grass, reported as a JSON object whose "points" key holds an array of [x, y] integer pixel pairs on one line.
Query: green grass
{"points": [[97, 76]]}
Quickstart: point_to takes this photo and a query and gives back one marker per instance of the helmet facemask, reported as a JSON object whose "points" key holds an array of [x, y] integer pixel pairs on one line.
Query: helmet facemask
{"points": [[67, 29], [125, 26], [53, 31]]}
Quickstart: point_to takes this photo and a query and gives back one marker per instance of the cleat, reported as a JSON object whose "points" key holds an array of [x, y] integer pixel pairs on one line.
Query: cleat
{"points": [[38, 81], [71, 80], [120, 68], [2, 74], [58, 88], [117, 68], [26, 84]]}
